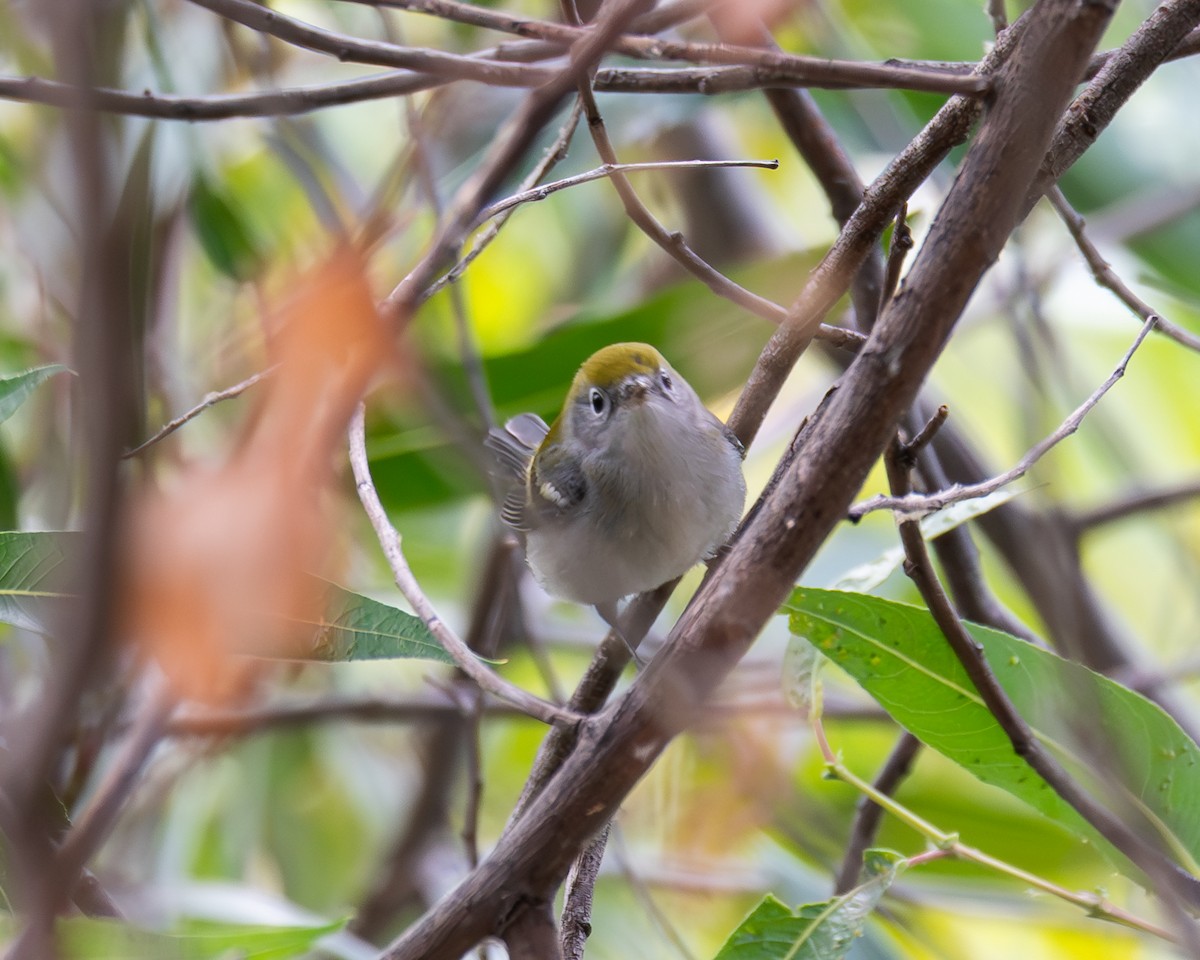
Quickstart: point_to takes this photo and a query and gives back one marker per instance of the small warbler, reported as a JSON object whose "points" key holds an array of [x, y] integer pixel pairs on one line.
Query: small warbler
{"points": [[633, 484]]}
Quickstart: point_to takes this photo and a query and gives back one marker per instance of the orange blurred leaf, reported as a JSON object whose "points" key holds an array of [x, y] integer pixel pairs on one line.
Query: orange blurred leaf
{"points": [[221, 564]]}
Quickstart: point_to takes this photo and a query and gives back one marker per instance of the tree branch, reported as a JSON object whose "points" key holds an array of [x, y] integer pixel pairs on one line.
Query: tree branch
{"points": [[1083, 521], [916, 505], [1106, 277], [807, 496], [389, 540]]}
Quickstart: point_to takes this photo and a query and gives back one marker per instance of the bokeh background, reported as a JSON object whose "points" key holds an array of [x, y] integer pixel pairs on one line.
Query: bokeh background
{"points": [[305, 820]]}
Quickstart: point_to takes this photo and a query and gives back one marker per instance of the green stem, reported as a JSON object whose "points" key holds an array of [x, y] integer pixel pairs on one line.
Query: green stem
{"points": [[949, 843]]}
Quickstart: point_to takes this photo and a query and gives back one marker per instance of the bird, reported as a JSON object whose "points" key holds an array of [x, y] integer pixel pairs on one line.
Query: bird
{"points": [[633, 484]]}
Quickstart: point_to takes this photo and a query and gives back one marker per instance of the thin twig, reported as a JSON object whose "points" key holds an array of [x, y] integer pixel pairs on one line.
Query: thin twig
{"points": [[1106, 277], [1025, 743], [210, 400], [554, 154], [916, 505], [912, 448], [672, 243], [611, 170], [389, 540], [1084, 520]]}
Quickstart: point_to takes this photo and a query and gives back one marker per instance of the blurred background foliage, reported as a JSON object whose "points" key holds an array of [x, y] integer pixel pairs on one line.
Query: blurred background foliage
{"points": [[248, 828]]}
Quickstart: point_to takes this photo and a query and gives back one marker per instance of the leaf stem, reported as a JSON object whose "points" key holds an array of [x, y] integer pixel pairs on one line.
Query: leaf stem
{"points": [[948, 844]]}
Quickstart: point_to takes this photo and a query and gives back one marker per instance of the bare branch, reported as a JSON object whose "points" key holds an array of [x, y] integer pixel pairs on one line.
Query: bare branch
{"points": [[764, 66], [611, 170], [916, 505], [344, 47], [1084, 520], [577, 899], [274, 103], [210, 400], [1106, 277], [240, 723], [389, 540]]}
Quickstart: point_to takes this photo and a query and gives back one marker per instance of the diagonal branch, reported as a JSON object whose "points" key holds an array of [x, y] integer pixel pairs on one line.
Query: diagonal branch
{"points": [[1106, 277], [915, 505], [389, 539]]}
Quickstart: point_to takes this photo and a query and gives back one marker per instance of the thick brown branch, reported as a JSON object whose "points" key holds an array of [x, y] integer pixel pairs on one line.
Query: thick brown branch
{"points": [[765, 66]]}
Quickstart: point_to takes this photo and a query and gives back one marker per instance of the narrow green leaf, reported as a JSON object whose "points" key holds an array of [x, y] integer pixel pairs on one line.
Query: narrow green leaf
{"points": [[359, 628], [15, 390], [34, 573], [814, 931], [899, 656], [85, 938], [223, 232]]}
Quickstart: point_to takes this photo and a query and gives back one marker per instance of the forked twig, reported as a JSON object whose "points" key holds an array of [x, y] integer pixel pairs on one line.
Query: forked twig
{"points": [[916, 505]]}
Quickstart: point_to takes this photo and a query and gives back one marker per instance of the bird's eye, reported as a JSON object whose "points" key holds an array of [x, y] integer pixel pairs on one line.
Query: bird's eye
{"points": [[667, 382], [599, 402]]}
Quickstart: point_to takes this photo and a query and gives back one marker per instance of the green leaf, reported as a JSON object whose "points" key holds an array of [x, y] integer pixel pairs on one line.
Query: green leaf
{"points": [[16, 389], [34, 572], [359, 628], [814, 931], [898, 654], [223, 232], [85, 938]]}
